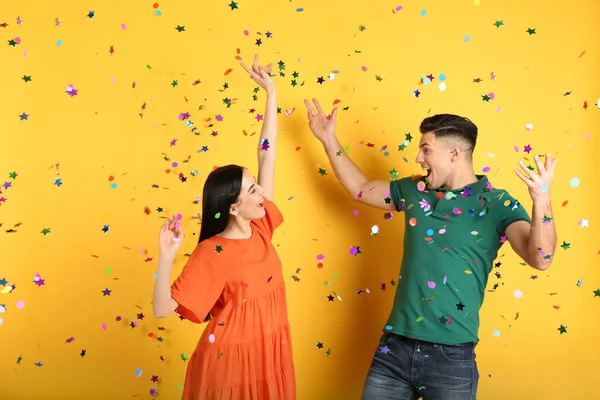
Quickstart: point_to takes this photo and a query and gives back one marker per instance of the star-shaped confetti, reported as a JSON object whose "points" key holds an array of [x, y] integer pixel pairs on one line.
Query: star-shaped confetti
{"points": [[45, 231], [322, 171], [180, 28], [531, 31], [320, 80], [499, 23], [12, 43], [597, 293], [24, 117], [106, 292], [91, 14], [26, 78], [565, 245], [562, 329], [233, 5], [57, 22]]}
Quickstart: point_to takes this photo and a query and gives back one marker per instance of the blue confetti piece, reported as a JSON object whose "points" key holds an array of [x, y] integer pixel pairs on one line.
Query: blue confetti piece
{"points": [[442, 77], [138, 372], [386, 153], [404, 159], [59, 42], [467, 38], [445, 279], [429, 232], [426, 81], [496, 332], [300, 9], [574, 182], [544, 188], [388, 328], [113, 185], [155, 276], [423, 12], [158, 13]]}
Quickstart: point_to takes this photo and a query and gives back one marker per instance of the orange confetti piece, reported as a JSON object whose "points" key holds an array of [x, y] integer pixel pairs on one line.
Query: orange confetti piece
{"points": [[336, 101], [298, 148], [565, 203], [245, 133], [556, 307], [228, 71]]}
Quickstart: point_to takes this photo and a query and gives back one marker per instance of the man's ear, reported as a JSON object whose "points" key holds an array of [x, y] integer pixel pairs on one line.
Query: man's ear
{"points": [[455, 151]]}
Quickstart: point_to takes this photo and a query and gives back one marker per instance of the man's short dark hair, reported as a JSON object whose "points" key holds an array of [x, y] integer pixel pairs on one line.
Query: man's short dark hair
{"points": [[451, 126]]}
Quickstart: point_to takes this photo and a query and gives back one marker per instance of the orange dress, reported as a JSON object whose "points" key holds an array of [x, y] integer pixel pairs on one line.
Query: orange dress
{"points": [[245, 352]]}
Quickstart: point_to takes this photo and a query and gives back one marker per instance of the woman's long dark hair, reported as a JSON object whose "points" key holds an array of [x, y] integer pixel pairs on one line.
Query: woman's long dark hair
{"points": [[221, 190]]}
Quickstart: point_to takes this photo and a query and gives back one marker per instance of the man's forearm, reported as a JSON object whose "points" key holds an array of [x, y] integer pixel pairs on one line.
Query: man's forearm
{"points": [[542, 236], [344, 168]]}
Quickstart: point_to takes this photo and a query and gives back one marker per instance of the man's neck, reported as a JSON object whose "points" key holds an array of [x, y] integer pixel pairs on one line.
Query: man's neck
{"points": [[461, 179]]}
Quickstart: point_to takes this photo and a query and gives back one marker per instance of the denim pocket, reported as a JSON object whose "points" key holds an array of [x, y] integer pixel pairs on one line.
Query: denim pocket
{"points": [[462, 353], [386, 337]]}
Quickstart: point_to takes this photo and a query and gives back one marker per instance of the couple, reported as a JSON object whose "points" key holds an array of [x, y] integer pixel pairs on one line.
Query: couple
{"points": [[456, 223]]}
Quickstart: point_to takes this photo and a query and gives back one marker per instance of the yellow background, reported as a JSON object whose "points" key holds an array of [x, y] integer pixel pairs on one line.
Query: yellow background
{"points": [[99, 133]]}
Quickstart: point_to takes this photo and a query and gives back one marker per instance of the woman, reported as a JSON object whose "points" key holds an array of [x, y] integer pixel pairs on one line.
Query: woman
{"points": [[233, 278]]}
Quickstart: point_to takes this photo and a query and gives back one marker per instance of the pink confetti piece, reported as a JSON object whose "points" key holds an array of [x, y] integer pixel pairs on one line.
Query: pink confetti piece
{"points": [[123, 26], [517, 149], [20, 304], [398, 8], [113, 80], [364, 69], [104, 326], [18, 40], [246, 32], [211, 338], [431, 284]]}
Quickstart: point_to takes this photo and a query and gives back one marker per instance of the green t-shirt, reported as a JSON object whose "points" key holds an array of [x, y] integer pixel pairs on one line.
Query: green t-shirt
{"points": [[451, 241]]}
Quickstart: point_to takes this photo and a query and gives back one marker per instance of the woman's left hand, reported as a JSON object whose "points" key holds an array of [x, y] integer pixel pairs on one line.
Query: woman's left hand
{"points": [[261, 75]]}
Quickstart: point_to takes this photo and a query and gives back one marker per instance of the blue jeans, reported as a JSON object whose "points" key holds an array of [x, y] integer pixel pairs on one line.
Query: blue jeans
{"points": [[406, 369]]}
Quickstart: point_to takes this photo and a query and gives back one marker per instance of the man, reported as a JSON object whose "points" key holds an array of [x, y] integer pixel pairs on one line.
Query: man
{"points": [[456, 221]]}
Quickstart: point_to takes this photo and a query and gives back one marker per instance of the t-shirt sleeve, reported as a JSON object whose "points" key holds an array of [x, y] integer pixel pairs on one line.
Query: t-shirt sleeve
{"points": [[272, 219], [397, 191], [509, 210], [197, 288]]}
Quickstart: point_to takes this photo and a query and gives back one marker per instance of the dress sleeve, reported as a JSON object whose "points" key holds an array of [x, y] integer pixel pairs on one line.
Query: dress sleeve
{"points": [[272, 219], [197, 288], [509, 210]]}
